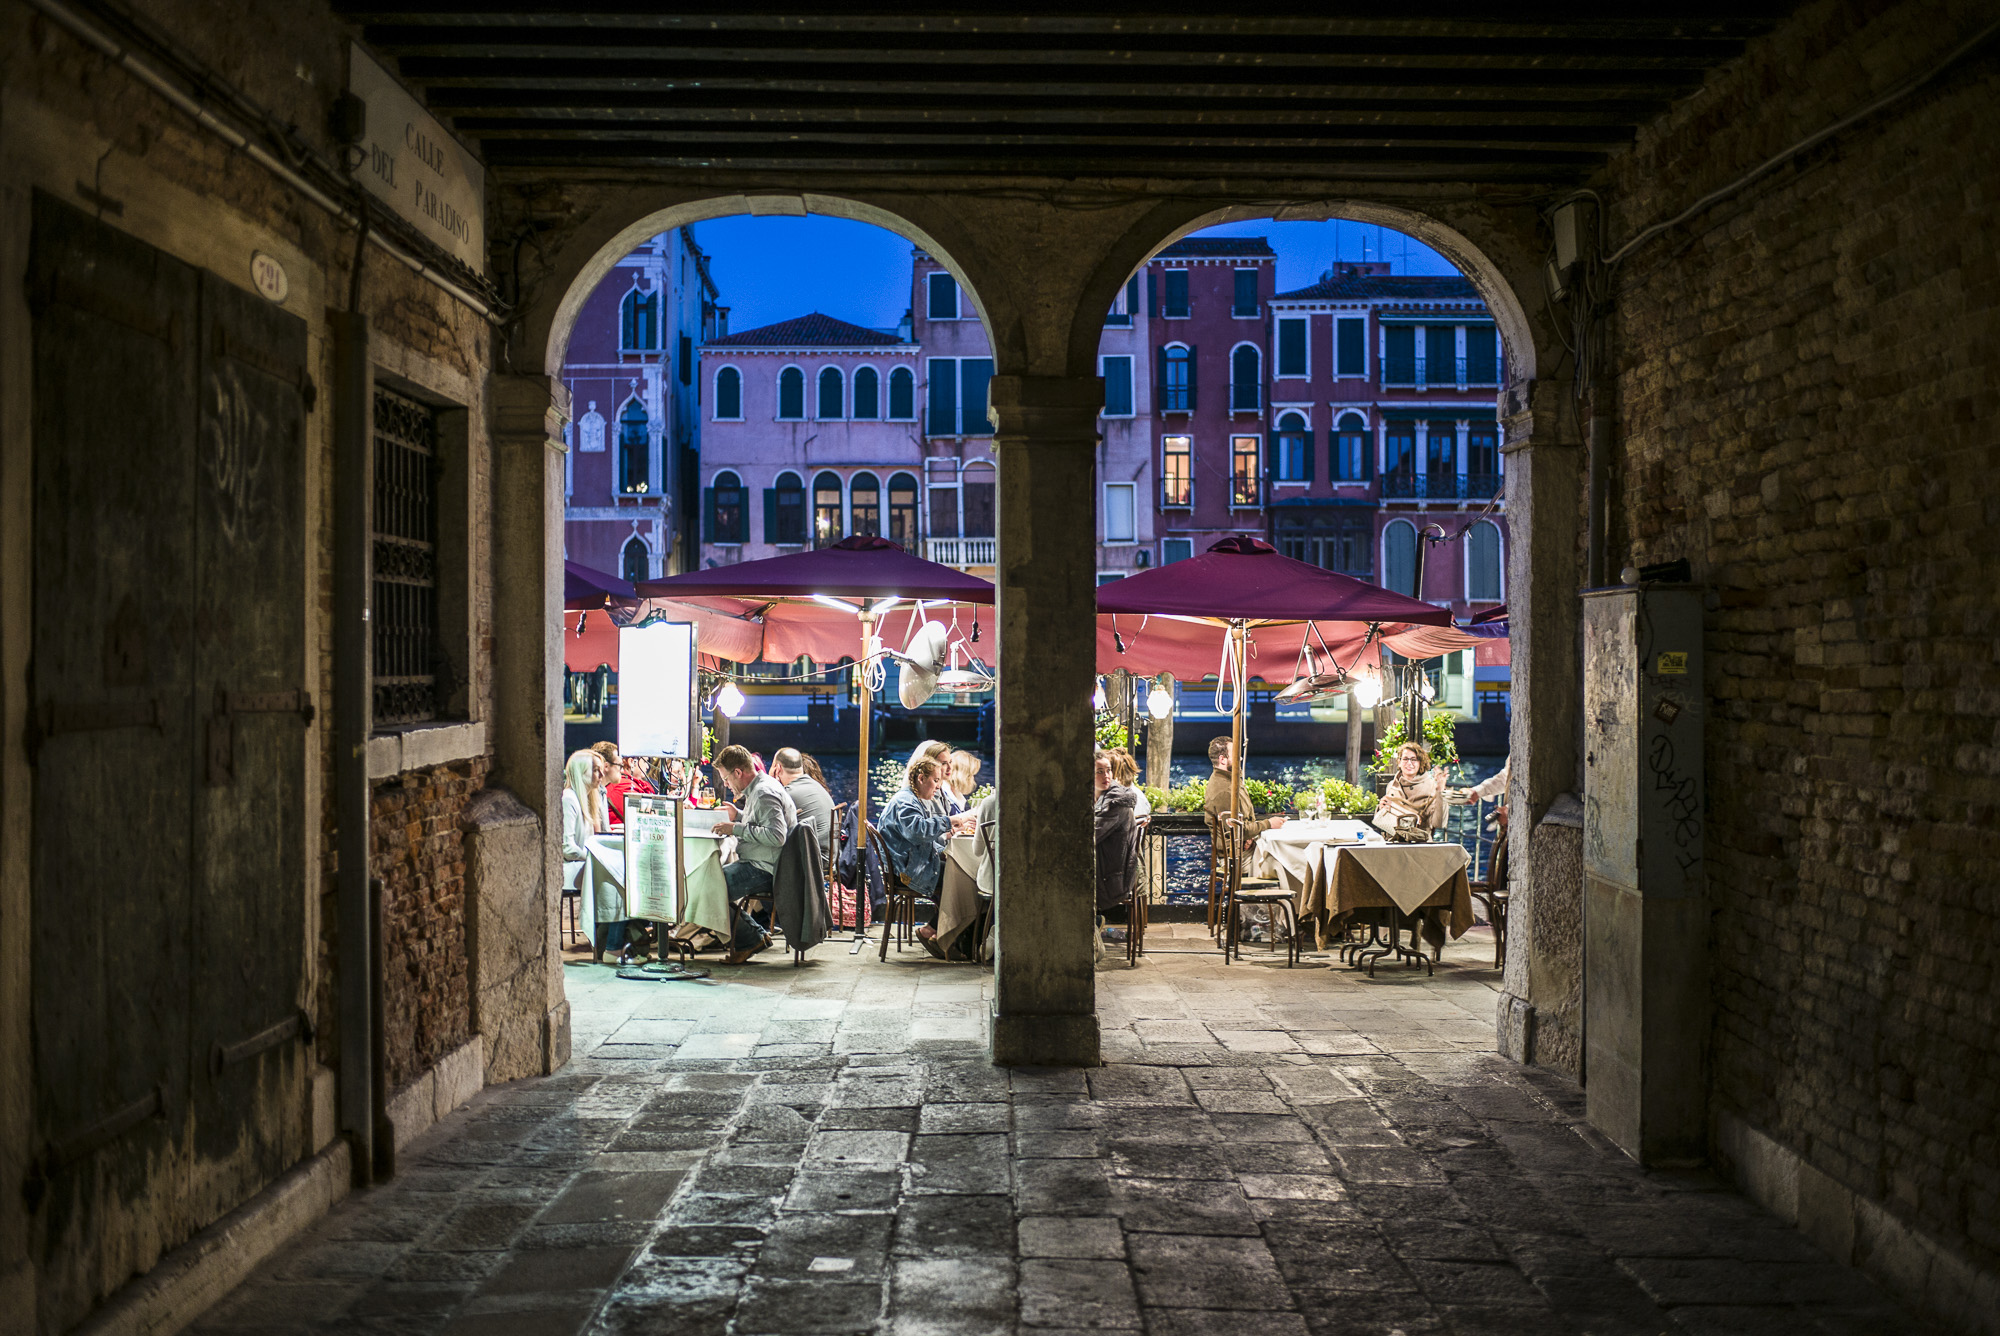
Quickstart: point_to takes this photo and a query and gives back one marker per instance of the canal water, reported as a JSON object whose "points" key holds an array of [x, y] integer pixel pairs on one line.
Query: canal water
{"points": [[1187, 859]]}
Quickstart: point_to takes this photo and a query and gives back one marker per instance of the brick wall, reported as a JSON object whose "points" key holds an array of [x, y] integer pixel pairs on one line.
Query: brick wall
{"points": [[417, 850], [1807, 388]]}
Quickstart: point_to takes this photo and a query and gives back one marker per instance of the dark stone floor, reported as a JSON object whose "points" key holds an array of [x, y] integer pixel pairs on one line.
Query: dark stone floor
{"points": [[823, 1150]]}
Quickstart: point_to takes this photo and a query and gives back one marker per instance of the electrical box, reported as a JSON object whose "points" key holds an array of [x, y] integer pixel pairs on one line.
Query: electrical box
{"points": [[1645, 919]]}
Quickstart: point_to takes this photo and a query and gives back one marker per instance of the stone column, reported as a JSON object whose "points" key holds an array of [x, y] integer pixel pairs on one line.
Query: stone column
{"points": [[1045, 996], [527, 728], [1541, 998]]}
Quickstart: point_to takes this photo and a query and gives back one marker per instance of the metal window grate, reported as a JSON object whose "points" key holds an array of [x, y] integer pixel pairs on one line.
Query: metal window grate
{"points": [[404, 617]]}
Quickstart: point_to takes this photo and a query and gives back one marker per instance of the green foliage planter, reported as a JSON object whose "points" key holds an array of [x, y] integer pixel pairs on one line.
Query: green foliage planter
{"points": [[1439, 729]]}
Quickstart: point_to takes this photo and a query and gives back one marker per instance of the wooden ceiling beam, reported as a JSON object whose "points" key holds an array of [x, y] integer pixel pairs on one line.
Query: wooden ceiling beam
{"points": [[1156, 136]]}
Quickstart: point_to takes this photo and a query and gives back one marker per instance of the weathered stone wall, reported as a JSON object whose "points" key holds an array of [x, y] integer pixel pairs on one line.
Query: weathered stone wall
{"points": [[1806, 376], [417, 850]]}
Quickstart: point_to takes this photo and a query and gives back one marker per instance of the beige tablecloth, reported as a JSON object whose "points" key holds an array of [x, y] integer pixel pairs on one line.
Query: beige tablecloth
{"points": [[1424, 880], [958, 897], [1292, 852]]}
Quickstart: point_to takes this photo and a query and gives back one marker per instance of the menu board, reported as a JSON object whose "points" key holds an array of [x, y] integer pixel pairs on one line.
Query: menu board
{"points": [[652, 866], [658, 714]]}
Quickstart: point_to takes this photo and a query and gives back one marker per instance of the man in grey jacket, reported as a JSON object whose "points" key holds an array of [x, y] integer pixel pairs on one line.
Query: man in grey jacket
{"points": [[763, 817], [815, 804]]}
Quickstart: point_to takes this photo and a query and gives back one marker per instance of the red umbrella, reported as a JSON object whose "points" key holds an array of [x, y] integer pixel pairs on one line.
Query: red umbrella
{"points": [[1243, 583], [857, 567], [585, 588], [1244, 579], [805, 601]]}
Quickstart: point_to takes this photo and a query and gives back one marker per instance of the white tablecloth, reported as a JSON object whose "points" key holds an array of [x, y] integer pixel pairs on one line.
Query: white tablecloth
{"points": [[707, 893], [958, 896], [1292, 852]]}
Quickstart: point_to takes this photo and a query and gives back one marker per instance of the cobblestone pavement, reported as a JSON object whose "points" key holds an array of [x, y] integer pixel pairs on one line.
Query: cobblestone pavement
{"points": [[824, 1150]]}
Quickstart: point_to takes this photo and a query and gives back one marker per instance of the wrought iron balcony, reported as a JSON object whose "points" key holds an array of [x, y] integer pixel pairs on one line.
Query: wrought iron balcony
{"points": [[1409, 485]]}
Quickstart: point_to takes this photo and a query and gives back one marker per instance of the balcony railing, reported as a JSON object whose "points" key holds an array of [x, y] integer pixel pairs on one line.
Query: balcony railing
{"points": [[1408, 485], [961, 552], [1424, 372]]}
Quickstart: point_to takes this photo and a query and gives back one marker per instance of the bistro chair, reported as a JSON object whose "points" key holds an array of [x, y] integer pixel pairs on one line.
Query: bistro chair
{"points": [[899, 914], [572, 901], [1255, 892], [1492, 892], [1136, 898]]}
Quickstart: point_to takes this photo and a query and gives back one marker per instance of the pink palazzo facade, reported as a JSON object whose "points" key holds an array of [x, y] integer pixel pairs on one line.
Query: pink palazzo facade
{"points": [[635, 431]]}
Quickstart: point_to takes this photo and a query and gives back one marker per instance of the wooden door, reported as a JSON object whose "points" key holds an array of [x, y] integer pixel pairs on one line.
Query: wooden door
{"points": [[167, 886]]}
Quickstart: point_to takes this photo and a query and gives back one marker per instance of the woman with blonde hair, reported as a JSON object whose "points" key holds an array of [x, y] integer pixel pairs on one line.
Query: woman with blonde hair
{"points": [[939, 754], [1125, 769], [1417, 800], [962, 774]]}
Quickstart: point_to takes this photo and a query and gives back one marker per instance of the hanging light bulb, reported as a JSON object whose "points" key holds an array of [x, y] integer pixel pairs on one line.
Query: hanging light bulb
{"points": [[1159, 702], [729, 700], [1097, 701], [1367, 692]]}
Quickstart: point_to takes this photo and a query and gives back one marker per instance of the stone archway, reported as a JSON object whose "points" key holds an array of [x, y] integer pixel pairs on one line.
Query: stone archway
{"points": [[1500, 251]]}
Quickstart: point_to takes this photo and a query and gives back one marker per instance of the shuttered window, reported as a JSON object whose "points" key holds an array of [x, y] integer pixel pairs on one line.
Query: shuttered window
{"points": [[1176, 304], [1245, 293], [1353, 352], [403, 619], [1117, 386], [1292, 347]]}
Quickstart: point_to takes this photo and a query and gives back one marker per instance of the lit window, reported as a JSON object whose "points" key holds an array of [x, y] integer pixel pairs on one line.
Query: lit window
{"points": [[1177, 471], [829, 525], [1244, 480], [864, 505]]}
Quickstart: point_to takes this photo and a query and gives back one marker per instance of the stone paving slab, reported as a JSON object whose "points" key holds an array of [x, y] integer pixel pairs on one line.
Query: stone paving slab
{"points": [[1301, 1152]]}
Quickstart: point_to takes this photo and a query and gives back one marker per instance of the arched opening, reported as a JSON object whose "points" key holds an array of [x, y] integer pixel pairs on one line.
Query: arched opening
{"points": [[903, 511], [1353, 461], [1484, 569], [637, 563], [635, 450], [728, 510], [791, 395], [1399, 557], [1246, 379], [902, 395], [728, 394], [867, 394], [639, 322], [829, 510], [864, 504], [786, 525], [1291, 450], [831, 406]]}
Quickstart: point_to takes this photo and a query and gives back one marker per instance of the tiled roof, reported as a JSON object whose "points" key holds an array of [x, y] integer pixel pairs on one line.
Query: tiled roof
{"points": [[1404, 287], [807, 331], [1205, 247]]}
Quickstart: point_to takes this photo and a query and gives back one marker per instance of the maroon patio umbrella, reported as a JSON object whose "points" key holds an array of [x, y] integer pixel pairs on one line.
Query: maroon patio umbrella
{"points": [[856, 576], [859, 567], [1243, 582], [584, 588]]}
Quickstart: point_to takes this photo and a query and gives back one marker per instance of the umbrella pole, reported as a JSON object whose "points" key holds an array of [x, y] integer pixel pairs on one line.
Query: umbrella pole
{"points": [[1236, 637], [867, 712]]}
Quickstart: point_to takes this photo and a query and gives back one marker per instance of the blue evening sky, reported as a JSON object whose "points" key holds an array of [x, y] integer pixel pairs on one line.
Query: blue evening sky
{"points": [[771, 269]]}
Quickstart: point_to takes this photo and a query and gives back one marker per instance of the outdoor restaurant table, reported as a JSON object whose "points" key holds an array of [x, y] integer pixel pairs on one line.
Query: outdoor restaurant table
{"points": [[707, 902], [1292, 852], [958, 894], [1411, 878]]}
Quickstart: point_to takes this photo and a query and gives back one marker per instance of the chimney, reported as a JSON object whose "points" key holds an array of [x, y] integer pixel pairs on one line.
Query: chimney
{"points": [[904, 327], [721, 321]]}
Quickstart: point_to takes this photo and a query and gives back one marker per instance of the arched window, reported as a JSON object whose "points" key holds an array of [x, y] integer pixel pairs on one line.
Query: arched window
{"points": [[864, 504], [634, 450], [638, 561], [902, 394], [1177, 379], [977, 498], [1399, 557], [728, 393], [829, 523], [791, 395], [785, 511], [728, 513], [1352, 459], [1246, 379], [1482, 563], [1291, 450], [639, 325], [832, 394], [903, 511], [867, 393]]}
